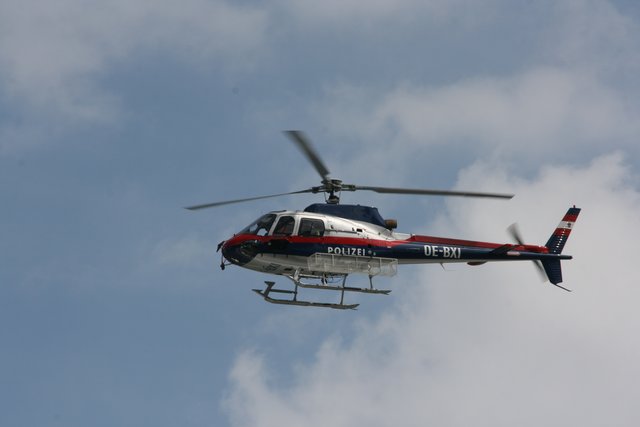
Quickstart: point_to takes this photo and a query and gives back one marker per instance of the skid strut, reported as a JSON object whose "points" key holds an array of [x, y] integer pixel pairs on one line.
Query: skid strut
{"points": [[269, 289]]}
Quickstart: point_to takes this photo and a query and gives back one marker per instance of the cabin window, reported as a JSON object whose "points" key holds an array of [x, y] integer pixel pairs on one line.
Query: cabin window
{"points": [[311, 227], [284, 227]]}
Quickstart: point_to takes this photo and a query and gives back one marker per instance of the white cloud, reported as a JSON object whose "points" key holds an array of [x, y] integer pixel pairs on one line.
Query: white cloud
{"points": [[545, 108], [490, 345], [53, 53], [487, 345], [576, 97]]}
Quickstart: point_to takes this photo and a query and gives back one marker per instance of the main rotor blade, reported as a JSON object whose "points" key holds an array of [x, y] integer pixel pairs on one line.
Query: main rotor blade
{"points": [[228, 202], [429, 192], [303, 143]]}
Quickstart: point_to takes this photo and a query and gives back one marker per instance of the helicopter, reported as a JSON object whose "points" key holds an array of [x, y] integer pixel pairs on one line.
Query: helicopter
{"points": [[320, 246]]}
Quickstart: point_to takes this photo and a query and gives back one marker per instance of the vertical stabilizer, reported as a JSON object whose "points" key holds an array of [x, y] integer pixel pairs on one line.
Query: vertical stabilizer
{"points": [[556, 242]]}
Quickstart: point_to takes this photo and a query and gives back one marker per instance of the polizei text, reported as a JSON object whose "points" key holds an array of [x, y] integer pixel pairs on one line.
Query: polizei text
{"points": [[346, 251]]}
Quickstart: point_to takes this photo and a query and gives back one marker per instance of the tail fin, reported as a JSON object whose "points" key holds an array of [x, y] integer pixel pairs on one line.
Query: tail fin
{"points": [[556, 242]]}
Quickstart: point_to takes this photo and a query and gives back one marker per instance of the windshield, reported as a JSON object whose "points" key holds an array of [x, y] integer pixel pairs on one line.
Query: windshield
{"points": [[261, 226]]}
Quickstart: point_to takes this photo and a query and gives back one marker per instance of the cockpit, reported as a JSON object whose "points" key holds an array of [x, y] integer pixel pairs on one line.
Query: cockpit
{"points": [[285, 225]]}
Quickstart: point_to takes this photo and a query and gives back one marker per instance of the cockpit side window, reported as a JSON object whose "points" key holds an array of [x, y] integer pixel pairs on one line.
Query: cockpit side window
{"points": [[284, 227], [311, 227], [261, 226]]}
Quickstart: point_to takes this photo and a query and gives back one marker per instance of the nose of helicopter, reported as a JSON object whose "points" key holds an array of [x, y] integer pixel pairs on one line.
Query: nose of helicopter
{"points": [[240, 251]]}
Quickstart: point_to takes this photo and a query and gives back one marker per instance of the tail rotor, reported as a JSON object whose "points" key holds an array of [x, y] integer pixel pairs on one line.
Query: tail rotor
{"points": [[514, 231]]}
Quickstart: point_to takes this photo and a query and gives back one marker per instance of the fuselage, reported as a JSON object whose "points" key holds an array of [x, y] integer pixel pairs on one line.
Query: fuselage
{"points": [[285, 243]]}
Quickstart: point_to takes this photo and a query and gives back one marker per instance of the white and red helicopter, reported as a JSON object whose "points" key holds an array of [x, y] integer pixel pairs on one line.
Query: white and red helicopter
{"points": [[321, 245]]}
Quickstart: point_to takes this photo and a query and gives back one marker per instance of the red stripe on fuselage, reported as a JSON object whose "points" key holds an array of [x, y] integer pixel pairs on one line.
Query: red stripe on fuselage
{"points": [[414, 239], [570, 218], [454, 242], [358, 241], [376, 242], [353, 241]]}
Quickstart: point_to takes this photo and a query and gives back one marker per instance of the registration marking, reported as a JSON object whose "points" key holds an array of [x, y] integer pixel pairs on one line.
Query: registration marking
{"points": [[434, 251]]}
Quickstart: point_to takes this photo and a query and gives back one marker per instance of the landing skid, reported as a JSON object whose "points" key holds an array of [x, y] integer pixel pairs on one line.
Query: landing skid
{"points": [[323, 285], [346, 289], [265, 294]]}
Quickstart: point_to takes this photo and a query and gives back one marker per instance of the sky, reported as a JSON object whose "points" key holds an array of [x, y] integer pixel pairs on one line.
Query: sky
{"points": [[115, 115]]}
